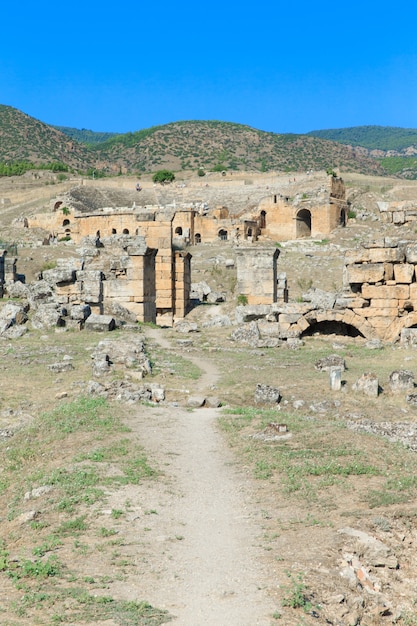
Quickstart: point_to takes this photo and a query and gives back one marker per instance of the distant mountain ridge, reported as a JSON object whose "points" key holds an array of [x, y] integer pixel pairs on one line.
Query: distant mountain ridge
{"points": [[395, 148], [384, 138], [191, 145]]}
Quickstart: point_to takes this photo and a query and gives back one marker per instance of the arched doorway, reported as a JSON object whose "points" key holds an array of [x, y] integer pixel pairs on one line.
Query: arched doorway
{"points": [[197, 238], [125, 231], [65, 223], [303, 224], [178, 231], [223, 235], [262, 220]]}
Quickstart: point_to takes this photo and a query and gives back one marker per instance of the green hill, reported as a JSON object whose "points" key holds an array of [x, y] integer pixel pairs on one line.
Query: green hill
{"points": [[209, 145], [83, 135], [23, 138], [216, 145], [372, 137]]}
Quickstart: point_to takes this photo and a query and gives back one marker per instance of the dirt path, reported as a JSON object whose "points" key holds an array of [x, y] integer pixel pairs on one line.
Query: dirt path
{"points": [[205, 565]]}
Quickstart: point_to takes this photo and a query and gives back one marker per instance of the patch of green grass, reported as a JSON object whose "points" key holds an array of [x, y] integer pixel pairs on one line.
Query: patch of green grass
{"points": [[72, 527], [295, 595], [174, 365], [49, 545], [34, 569]]}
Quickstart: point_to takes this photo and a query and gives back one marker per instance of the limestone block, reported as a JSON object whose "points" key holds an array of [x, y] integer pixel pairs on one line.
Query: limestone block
{"points": [[404, 272], [365, 273], [357, 256], [411, 253], [291, 318], [386, 255], [302, 325], [388, 271], [344, 302], [100, 322], [387, 312], [409, 337], [380, 322], [398, 217], [386, 292], [378, 303]]}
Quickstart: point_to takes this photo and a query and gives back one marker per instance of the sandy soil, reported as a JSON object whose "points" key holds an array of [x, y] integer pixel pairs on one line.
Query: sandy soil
{"points": [[205, 566]]}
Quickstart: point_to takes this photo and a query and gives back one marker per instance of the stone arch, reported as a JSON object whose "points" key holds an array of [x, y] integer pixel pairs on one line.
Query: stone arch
{"points": [[262, 219], [347, 321], [303, 224], [223, 235], [113, 231], [197, 238], [343, 217], [393, 332], [125, 231], [65, 223], [178, 231]]}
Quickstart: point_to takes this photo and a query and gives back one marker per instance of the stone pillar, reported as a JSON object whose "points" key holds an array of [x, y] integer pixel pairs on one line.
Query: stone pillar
{"points": [[257, 273]]}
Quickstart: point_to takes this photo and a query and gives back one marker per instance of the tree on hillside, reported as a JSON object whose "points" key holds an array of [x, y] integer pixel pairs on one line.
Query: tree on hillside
{"points": [[163, 176]]}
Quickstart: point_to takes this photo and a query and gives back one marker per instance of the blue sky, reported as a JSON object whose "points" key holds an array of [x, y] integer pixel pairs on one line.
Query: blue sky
{"points": [[280, 67]]}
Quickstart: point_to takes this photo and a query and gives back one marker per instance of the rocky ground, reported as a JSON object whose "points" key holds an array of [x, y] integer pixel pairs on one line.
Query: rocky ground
{"points": [[302, 512]]}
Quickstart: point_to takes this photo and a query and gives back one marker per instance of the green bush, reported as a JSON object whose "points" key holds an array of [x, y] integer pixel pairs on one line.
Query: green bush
{"points": [[163, 176]]}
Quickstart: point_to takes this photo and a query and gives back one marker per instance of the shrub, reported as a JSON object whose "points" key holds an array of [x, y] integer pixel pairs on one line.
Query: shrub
{"points": [[163, 176]]}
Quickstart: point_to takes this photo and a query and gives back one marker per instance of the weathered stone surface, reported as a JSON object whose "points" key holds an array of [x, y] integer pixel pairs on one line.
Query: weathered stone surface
{"points": [[196, 402], [38, 293], [200, 291], [12, 314], [59, 275], [401, 380], [47, 316], [16, 289], [184, 326], [249, 333], [367, 384], [319, 299], [264, 394], [409, 337], [328, 362], [100, 323], [63, 366], [404, 273], [365, 273], [375, 552], [129, 354], [79, 312], [251, 312], [221, 321]]}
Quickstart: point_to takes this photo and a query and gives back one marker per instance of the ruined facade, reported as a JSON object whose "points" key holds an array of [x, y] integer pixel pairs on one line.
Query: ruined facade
{"points": [[74, 218], [379, 300], [257, 277], [281, 219]]}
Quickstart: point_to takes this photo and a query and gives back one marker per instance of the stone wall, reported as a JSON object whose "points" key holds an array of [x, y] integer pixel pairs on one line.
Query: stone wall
{"points": [[381, 284], [121, 274]]}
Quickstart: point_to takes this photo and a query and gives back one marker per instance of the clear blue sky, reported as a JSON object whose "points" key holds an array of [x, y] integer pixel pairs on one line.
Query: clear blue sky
{"points": [[277, 66]]}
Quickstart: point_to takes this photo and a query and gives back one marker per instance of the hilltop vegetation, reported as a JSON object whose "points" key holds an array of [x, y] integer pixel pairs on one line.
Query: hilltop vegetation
{"points": [[188, 145], [383, 138], [394, 148], [89, 137]]}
